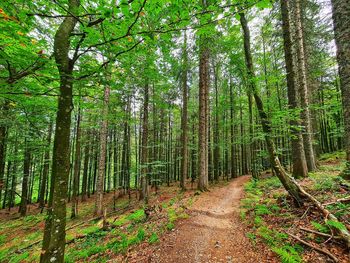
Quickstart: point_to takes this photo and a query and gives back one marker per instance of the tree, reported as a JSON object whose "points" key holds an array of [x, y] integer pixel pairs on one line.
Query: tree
{"points": [[285, 179], [99, 209], [298, 154], [203, 128], [76, 171], [184, 119], [54, 233], [303, 88], [144, 147], [341, 19]]}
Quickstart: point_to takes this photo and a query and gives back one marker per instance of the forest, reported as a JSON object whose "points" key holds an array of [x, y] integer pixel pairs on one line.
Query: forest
{"points": [[175, 131]]}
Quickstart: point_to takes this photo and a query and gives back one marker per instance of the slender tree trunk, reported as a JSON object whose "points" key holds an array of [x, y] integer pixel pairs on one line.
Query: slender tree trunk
{"points": [[303, 89], [54, 233], [3, 135], [76, 175], [25, 182], [102, 161], [298, 154], [341, 21], [216, 158], [7, 184], [84, 183], [184, 119], [144, 148], [232, 134], [12, 199], [45, 175], [285, 179]]}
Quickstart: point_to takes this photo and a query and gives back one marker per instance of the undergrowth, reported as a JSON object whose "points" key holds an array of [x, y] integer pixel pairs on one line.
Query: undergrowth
{"points": [[270, 212]]}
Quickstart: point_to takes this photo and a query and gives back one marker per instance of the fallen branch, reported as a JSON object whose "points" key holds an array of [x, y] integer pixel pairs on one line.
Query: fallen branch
{"points": [[343, 232], [325, 252], [319, 233], [341, 200]]}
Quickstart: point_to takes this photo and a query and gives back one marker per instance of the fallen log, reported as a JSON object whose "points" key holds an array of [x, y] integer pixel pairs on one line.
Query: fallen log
{"points": [[323, 251]]}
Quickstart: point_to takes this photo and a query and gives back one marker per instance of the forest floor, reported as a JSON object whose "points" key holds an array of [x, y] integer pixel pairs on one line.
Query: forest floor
{"points": [[236, 221]]}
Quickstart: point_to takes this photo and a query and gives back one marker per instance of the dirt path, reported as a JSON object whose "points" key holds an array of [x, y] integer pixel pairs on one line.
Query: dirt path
{"points": [[214, 232]]}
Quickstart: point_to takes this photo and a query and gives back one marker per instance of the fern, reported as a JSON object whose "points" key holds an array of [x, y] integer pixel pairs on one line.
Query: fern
{"points": [[336, 224], [319, 227], [287, 254]]}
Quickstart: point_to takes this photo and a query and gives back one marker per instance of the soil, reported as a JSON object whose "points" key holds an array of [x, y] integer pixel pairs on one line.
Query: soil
{"points": [[213, 233]]}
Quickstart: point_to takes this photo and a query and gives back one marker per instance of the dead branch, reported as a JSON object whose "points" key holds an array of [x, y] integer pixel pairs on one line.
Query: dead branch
{"points": [[325, 252], [341, 200], [319, 233]]}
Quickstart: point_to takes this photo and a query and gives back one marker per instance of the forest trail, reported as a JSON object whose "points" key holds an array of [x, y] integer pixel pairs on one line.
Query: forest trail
{"points": [[213, 233]]}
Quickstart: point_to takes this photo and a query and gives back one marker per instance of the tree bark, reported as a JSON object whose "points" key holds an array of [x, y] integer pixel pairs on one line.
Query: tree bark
{"points": [[84, 183], [144, 148], [184, 119], [203, 112], [232, 134], [298, 154], [54, 233], [341, 21], [25, 182], [76, 173], [102, 161], [46, 168], [303, 89]]}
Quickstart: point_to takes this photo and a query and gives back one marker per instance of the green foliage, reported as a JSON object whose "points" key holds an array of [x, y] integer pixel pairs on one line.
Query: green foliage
{"points": [[287, 254], [335, 224], [153, 238], [19, 257], [262, 210], [2, 239], [137, 216], [170, 226], [90, 230]]}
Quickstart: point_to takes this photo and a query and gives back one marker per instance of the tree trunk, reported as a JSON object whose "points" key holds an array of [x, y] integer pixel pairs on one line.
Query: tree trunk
{"points": [[84, 183], [298, 154], [3, 135], [44, 177], [285, 179], [184, 119], [341, 21], [76, 168], [102, 161], [232, 134], [203, 114], [144, 148], [25, 182], [216, 158], [54, 233], [303, 89]]}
